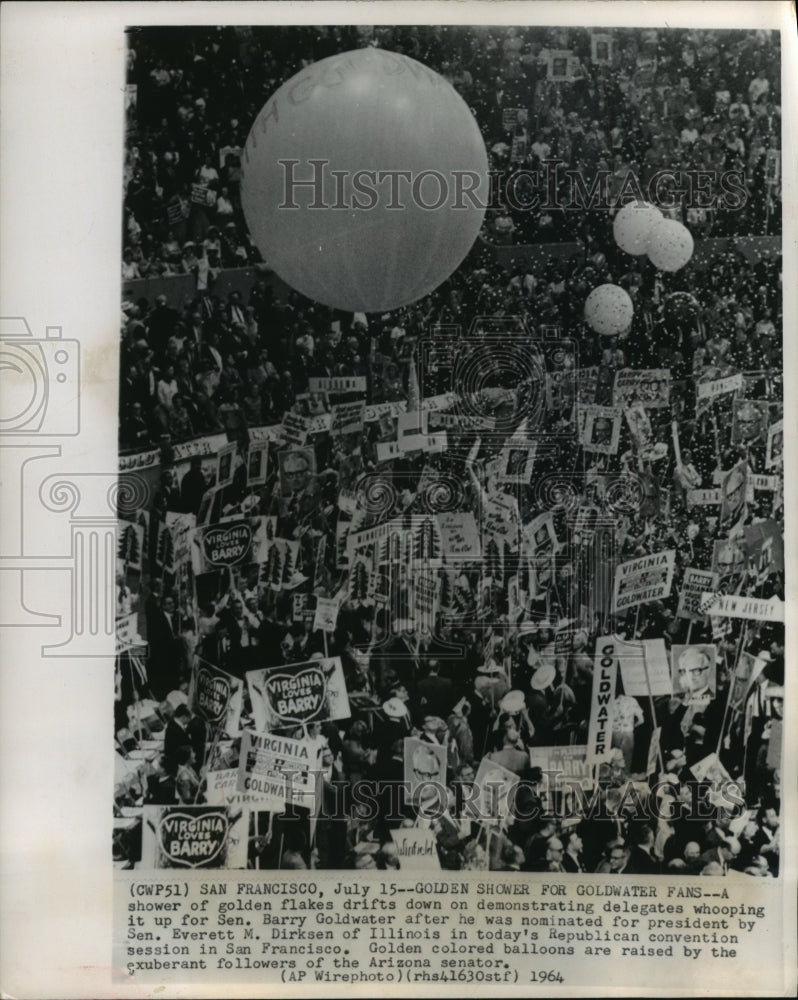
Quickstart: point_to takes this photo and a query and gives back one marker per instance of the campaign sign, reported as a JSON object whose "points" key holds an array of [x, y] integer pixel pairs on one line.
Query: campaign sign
{"points": [[297, 694], [277, 770], [297, 697], [694, 583], [226, 545], [212, 695], [222, 790], [190, 837], [605, 674], [647, 578], [425, 763], [217, 697], [416, 849]]}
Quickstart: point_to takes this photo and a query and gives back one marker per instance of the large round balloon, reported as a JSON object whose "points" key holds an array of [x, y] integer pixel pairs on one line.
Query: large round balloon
{"points": [[670, 245], [609, 310], [365, 180], [633, 224]]}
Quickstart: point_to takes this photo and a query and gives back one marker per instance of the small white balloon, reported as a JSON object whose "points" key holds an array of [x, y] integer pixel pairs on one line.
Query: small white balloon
{"points": [[670, 245], [633, 225], [609, 310]]}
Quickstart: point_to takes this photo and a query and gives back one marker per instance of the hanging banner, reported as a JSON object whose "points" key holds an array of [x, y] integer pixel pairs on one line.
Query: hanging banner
{"points": [[217, 697], [376, 411], [338, 385], [757, 609], [647, 578], [703, 498], [707, 392], [297, 694], [142, 460], [199, 446], [605, 674]]}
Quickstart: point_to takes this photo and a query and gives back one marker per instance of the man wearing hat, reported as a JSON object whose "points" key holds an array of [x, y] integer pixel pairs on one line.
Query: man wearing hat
{"points": [[395, 725]]}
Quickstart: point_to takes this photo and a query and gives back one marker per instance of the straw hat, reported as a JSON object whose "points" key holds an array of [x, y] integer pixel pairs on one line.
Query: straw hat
{"points": [[543, 677]]}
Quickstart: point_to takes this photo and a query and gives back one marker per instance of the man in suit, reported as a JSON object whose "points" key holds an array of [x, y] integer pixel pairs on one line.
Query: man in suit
{"points": [[165, 652], [176, 734], [641, 861], [572, 858], [436, 694], [193, 487]]}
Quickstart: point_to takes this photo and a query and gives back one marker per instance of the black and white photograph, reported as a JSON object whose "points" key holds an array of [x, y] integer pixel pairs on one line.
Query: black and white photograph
{"points": [[263, 220], [446, 565]]}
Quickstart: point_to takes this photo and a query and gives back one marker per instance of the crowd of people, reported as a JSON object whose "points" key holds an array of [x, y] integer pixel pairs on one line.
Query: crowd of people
{"points": [[676, 100], [500, 667]]}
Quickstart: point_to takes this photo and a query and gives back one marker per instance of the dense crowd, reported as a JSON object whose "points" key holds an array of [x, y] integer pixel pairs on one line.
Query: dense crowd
{"points": [[508, 665], [676, 100]]}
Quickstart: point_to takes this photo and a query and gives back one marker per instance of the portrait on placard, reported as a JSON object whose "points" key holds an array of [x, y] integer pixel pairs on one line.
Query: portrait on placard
{"points": [[601, 429], [750, 421], [694, 672], [297, 469]]}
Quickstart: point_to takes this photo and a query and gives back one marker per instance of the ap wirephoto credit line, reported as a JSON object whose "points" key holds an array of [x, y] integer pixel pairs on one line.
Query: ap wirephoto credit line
{"points": [[449, 521]]}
